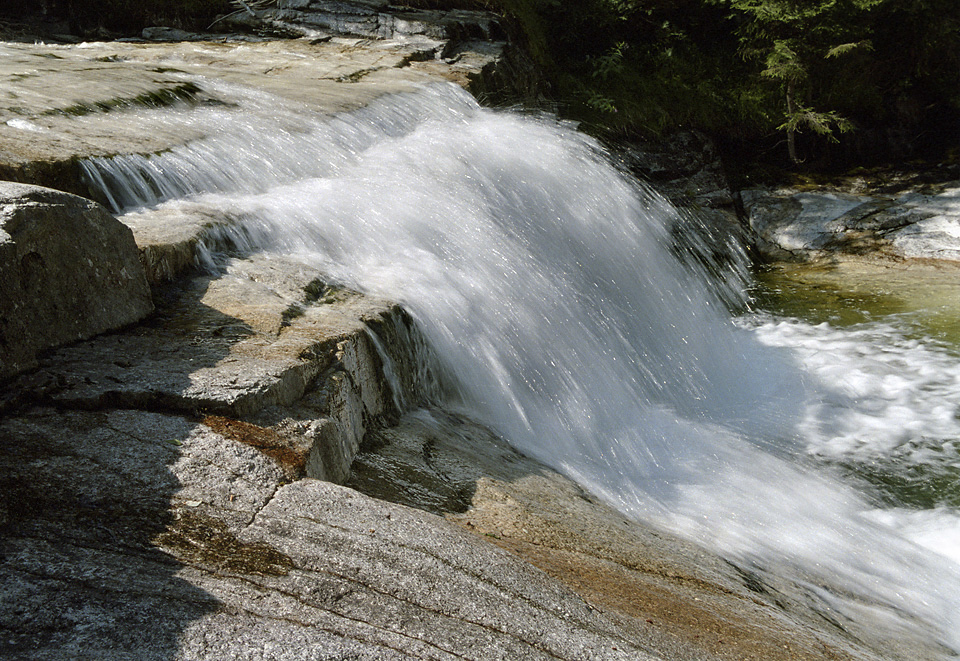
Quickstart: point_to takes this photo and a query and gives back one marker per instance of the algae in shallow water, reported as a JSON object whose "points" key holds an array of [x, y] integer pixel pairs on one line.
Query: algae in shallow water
{"points": [[923, 298], [198, 538], [183, 92]]}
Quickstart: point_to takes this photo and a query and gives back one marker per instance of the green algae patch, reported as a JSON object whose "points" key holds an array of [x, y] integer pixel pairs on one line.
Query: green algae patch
{"points": [[197, 538], [919, 294], [161, 98]]}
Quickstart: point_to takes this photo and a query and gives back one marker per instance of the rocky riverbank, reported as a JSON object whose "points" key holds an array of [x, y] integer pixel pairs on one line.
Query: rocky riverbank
{"points": [[172, 490], [902, 220], [246, 464]]}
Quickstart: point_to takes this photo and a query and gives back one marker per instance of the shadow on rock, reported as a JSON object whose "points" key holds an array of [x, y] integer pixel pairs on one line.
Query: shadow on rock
{"points": [[85, 496], [433, 460], [115, 502]]}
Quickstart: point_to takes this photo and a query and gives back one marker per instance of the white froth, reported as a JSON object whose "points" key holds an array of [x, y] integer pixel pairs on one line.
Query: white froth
{"points": [[875, 388]]}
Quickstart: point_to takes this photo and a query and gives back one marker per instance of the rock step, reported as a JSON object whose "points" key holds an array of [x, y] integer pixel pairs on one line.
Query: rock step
{"points": [[52, 117], [267, 340], [172, 240]]}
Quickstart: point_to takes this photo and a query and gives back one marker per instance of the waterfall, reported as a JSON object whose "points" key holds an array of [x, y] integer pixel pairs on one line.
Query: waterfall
{"points": [[547, 286]]}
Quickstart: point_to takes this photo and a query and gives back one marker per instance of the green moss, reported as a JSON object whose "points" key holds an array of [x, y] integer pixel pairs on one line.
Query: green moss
{"points": [[184, 92], [356, 76], [197, 538]]}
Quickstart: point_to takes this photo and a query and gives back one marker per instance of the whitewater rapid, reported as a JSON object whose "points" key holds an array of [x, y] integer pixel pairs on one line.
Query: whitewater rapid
{"points": [[547, 285]]}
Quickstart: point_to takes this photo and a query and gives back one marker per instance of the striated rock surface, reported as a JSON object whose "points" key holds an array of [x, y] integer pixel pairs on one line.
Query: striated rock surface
{"points": [[176, 538], [68, 271], [171, 541]]}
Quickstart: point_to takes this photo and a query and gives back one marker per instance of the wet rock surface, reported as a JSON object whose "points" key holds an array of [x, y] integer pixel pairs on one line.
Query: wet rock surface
{"points": [[677, 599], [376, 19], [917, 223], [66, 103]]}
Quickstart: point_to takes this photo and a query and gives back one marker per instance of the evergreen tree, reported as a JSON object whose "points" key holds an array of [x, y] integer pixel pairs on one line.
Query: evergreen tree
{"points": [[794, 40]]}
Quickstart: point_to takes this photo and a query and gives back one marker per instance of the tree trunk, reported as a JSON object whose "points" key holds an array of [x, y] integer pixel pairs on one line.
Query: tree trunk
{"points": [[791, 133]]}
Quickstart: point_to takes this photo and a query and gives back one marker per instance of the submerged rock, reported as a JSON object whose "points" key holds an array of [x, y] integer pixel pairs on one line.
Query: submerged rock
{"points": [[685, 167], [68, 271]]}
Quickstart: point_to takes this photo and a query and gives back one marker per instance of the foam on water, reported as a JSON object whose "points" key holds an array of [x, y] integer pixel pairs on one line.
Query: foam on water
{"points": [[250, 143], [547, 286], [937, 530], [879, 391], [887, 411]]}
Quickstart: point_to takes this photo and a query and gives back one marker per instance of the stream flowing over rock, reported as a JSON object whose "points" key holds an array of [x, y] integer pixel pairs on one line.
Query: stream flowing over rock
{"points": [[253, 462]]}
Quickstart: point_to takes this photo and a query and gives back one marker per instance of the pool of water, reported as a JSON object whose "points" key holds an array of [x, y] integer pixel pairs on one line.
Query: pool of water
{"points": [[923, 299], [880, 345]]}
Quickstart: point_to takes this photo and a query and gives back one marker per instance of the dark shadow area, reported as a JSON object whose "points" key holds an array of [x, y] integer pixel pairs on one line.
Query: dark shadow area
{"points": [[80, 571], [72, 21], [89, 445]]}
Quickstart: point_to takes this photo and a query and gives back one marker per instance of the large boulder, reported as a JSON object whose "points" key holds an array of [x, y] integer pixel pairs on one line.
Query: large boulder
{"points": [[68, 271]]}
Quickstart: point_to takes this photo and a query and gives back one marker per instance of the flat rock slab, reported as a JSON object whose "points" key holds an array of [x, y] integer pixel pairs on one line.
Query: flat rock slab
{"points": [[64, 103], [807, 225], [171, 541]]}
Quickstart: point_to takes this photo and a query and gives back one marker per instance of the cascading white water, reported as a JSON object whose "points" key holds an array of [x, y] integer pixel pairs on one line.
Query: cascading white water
{"points": [[545, 282]]}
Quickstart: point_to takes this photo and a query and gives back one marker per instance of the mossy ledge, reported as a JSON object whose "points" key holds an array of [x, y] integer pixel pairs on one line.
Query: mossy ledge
{"points": [[187, 92]]}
